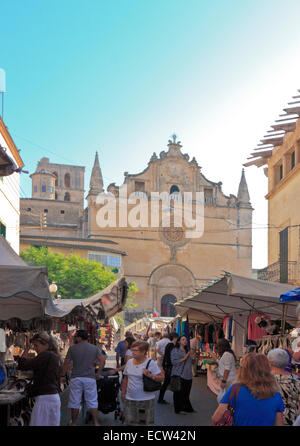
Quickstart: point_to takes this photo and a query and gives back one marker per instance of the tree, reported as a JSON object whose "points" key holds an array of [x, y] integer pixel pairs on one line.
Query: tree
{"points": [[75, 277], [132, 289]]}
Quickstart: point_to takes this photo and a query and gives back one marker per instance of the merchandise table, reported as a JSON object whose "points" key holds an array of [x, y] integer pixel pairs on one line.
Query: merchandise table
{"points": [[213, 382], [9, 404]]}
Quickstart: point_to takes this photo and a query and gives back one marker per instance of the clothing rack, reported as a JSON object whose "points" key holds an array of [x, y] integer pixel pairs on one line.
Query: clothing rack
{"points": [[267, 343]]}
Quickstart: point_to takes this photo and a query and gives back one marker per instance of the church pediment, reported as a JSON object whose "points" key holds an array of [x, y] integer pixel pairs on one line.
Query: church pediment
{"points": [[172, 171]]}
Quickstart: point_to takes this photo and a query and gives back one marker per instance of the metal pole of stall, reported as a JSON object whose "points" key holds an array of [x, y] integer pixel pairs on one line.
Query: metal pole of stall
{"points": [[283, 321]]}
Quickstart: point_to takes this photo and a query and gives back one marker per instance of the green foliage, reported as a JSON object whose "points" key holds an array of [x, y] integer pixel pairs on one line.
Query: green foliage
{"points": [[131, 296], [75, 277], [119, 320]]}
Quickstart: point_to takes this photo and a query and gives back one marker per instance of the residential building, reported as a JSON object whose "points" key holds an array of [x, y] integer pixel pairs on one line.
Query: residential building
{"points": [[279, 153], [11, 165]]}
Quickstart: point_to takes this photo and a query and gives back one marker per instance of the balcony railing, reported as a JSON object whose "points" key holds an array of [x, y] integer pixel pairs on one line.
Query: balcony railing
{"points": [[284, 272], [209, 201]]}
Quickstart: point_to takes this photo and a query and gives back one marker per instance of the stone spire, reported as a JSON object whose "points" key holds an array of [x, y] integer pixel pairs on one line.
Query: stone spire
{"points": [[243, 193], [96, 182]]}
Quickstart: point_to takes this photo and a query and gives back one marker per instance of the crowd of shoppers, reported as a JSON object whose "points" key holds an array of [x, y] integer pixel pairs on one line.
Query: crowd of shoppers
{"points": [[266, 391]]}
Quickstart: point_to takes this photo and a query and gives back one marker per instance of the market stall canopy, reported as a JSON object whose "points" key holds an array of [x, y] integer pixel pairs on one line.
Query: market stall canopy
{"points": [[24, 290], [237, 294], [291, 295], [196, 316], [106, 303], [62, 307], [8, 256], [112, 299]]}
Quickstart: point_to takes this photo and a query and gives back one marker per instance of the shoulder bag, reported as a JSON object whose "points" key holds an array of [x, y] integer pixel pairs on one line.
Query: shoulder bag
{"points": [[227, 417], [175, 382], [148, 383]]}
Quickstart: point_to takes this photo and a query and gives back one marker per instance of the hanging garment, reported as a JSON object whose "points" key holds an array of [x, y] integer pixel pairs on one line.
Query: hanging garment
{"points": [[211, 333], [2, 341], [254, 331], [239, 328], [225, 323], [230, 330]]}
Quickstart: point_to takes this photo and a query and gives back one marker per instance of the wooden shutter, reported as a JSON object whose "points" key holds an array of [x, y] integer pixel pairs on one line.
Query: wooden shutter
{"points": [[284, 255]]}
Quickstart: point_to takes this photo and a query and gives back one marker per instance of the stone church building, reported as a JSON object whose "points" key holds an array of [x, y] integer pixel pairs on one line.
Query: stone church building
{"points": [[162, 259]]}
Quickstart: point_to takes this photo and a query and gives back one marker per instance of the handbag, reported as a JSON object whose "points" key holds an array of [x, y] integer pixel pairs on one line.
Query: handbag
{"points": [[227, 417], [175, 381], [148, 383], [175, 384]]}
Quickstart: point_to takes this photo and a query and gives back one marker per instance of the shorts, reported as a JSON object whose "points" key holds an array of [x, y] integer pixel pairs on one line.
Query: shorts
{"points": [[139, 413], [86, 386]]}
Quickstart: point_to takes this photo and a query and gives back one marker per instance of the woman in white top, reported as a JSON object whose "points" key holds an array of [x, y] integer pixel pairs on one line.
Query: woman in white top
{"points": [[226, 361], [138, 404]]}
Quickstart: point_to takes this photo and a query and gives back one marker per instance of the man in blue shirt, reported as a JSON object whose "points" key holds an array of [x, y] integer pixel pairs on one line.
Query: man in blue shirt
{"points": [[121, 350]]}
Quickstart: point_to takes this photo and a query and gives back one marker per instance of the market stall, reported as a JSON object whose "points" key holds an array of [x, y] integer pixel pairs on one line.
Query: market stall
{"points": [[240, 304], [24, 296], [26, 307], [93, 314]]}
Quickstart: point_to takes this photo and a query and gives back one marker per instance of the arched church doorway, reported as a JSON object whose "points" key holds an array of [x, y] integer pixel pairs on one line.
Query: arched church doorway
{"points": [[167, 307]]}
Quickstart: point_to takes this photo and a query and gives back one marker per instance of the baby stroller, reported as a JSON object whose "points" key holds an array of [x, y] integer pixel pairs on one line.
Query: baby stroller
{"points": [[108, 387], [108, 394]]}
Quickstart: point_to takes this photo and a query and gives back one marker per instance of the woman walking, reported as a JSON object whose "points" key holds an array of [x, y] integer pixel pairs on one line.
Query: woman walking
{"points": [[289, 384], [46, 368], [226, 361], [258, 400], [181, 360], [139, 405]]}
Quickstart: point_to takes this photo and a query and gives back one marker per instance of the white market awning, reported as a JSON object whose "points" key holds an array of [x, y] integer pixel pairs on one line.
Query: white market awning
{"points": [[237, 294]]}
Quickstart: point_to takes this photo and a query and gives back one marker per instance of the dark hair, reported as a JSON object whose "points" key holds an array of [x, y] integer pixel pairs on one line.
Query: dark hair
{"points": [[224, 346], [174, 335], [177, 345], [157, 333], [83, 334], [130, 340]]}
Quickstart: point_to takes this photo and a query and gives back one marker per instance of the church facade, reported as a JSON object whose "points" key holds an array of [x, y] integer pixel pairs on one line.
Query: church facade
{"points": [[165, 258]]}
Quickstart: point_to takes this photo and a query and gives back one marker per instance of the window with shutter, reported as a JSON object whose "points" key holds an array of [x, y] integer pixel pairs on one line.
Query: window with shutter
{"points": [[284, 255]]}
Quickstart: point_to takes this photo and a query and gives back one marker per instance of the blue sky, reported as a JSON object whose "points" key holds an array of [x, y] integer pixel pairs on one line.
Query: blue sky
{"points": [[121, 76]]}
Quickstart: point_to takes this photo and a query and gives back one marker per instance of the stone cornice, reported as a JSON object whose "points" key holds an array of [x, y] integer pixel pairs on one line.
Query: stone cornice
{"points": [[42, 242]]}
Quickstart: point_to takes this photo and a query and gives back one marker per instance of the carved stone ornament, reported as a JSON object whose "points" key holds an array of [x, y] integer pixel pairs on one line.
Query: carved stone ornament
{"points": [[173, 234]]}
